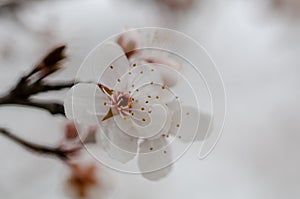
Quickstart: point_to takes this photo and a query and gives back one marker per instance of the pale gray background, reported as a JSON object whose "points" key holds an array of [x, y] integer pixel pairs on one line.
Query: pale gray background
{"points": [[257, 51]]}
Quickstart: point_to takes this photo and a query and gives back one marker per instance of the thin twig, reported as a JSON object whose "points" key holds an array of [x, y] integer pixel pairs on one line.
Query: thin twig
{"points": [[52, 107], [33, 83], [43, 150], [42, 87]]}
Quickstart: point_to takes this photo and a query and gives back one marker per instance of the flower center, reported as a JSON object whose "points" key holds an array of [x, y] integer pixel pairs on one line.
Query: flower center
{"points": [[121, 103]]}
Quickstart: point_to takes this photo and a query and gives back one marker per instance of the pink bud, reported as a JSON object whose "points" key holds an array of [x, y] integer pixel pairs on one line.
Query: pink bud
{"points": [[70, 131], [129, 41]]}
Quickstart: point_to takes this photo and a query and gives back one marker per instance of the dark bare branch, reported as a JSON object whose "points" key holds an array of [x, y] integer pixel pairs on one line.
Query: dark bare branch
{"points": [[42, 150]]}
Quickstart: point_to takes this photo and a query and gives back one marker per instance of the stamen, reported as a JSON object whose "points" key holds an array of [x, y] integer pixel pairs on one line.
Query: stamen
{"points": [[119, 102], [120, 94], [122, 115]]}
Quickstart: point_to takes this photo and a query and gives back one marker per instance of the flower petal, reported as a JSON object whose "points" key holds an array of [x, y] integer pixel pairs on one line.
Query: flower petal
{"points": [[84, 102], [169, 75], [129, 41], [139, 76], [154, 94], [144, 124], [155, 158], [105, 64], [126, 125], [189, 124], [145, 84], [168, 66], [117, 144]]}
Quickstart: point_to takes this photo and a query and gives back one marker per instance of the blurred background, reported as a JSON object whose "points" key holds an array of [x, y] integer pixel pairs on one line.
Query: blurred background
{"points": [[256, 46]]}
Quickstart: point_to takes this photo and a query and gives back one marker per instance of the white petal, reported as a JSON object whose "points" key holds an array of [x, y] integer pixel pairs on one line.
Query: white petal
{"points": [[144, 124], [126, 125], [143, 81], [189, 124], [154, 94], [139, 76], [96, 67], [159, 122], [155, 158], [84, 102], [169, 76], [167, 66], [145, 74], [117, 144]]}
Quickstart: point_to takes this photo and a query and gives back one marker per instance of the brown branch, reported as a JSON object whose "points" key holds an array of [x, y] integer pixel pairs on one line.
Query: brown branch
{"points": [[52, 107], [43, 150], [42, 87], [33, 83], [24, 90]]}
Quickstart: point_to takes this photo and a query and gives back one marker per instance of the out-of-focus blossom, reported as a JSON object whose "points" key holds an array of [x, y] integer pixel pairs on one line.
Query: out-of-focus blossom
{"points": [[72, 140], [131, 45], [178, 5], [291, 7], [70, 131], [136, 110], [88, 180]]}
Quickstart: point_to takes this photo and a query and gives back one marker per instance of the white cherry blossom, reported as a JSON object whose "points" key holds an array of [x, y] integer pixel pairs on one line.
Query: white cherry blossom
{"points": [[137, 112]]}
